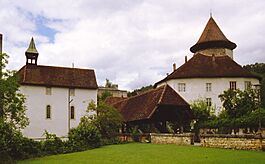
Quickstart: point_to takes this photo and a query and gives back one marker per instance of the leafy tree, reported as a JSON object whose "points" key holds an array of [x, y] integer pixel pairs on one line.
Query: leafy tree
{"points": [[12, 108], [258, 69], [104, 96], [201, 112], [242, 109], [238, 103], [108, 120]]}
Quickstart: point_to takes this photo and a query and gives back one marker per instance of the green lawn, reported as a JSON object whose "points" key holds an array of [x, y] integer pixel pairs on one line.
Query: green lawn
{"points": [[150, 153]]}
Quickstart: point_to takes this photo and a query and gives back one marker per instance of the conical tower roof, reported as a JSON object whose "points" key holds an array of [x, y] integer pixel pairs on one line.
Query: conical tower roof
{"points": [[212, 37], [32, 48]]}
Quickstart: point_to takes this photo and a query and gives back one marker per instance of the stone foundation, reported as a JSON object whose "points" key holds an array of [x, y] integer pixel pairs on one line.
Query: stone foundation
{"points": [[126, 137], [178, 139], [241, 142]]}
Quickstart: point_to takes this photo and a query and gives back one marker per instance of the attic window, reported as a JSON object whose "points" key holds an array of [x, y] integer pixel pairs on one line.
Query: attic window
{"points": [[181, 87], [72, 91], [48, 91]]}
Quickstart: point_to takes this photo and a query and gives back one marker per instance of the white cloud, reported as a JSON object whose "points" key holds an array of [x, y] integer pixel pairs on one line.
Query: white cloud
{"points": [[133, 43]]}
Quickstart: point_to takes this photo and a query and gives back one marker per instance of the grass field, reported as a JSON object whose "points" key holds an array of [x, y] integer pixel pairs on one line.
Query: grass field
{"points": [[150, 153]]}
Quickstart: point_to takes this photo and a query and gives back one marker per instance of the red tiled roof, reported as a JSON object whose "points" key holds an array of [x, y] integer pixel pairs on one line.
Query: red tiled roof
{"points": [[113, 100], [202, 66], [143, 106], [57, 77], [212, 37]]}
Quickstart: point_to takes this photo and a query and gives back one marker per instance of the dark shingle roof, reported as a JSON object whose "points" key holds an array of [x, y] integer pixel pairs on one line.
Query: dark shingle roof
{"points": [[57, 77], [202, 66], [143, 106], [212, 37]]}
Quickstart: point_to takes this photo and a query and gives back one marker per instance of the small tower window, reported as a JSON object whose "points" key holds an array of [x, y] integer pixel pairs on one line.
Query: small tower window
{"points": [[48, 112], [72, 112]]}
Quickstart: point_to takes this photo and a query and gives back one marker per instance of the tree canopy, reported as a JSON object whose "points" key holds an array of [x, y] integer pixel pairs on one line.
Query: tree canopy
{"points": [[12, 108], [259, 69]]}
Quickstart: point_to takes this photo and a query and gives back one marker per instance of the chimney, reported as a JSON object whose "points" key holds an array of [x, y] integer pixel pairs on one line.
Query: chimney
{"points": [[1, 43], [174, 67], [213, 57], [186, 59]]}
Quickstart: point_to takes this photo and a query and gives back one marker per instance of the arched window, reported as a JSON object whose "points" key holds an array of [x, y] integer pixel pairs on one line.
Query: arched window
{"points": [[48, 112], [72, 112]]}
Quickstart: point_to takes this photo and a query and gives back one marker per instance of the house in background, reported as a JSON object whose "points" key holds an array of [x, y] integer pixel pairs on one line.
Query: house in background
{"points": [[112, 89], [210, 71], [56, 97]]}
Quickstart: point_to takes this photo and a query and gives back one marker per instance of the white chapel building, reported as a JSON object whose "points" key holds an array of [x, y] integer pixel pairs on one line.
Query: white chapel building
{"points": [[56, 97], [210, 71]]}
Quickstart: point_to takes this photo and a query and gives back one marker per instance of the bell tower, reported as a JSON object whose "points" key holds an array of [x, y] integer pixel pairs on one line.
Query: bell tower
{"points": [[31, 54]]}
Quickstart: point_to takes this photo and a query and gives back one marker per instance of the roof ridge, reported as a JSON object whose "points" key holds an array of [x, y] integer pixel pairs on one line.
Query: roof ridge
{"points": [[146, 92], [159, 101], [63, 67]]}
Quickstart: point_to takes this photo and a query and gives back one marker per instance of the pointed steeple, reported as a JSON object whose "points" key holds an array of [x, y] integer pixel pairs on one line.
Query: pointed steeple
{"points": [[32, 53], [212, 37], [32, 47]]}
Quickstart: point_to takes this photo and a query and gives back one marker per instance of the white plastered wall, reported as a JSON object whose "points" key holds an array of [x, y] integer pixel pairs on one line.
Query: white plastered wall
{"points": [[37, 100], [196, 88]]}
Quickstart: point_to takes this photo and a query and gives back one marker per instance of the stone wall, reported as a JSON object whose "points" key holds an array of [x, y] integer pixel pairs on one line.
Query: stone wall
{"points": [[242, 142], [126, 137], [179, 139]]}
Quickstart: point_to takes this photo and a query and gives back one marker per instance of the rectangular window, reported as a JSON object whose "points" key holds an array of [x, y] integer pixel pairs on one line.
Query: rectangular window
{"points": [[233, 85], [48, 90], [181, 87], [72, 112], [72, 92], [209, 102], [247, 85], [48, 112], [208, 87]]}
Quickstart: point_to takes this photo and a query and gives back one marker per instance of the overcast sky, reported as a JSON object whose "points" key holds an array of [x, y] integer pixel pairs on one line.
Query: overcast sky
{"points": [[131, 42]]}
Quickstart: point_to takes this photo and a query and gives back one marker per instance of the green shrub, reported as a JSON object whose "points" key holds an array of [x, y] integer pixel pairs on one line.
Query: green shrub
{"points": [[84, 136], [108, 120], [14, 145], [52, 144]]}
